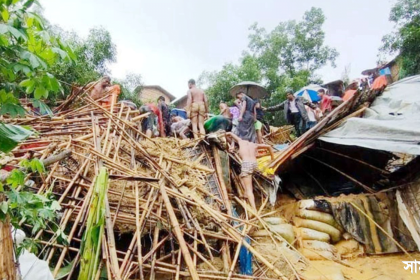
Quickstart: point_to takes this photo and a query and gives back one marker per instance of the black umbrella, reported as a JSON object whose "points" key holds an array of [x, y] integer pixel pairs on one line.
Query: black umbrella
{"points": [[253, 90]]}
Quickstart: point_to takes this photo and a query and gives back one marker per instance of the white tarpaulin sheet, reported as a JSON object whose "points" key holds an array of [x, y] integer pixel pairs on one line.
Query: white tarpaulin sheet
{"points": [[392, 123], [30, 266]]}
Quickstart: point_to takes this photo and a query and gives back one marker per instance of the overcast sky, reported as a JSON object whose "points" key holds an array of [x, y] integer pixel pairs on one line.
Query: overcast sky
{"points": [[171, 41]]}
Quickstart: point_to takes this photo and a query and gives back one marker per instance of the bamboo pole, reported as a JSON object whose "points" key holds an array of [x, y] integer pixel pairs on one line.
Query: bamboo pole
{"points": [[73, 229], [219, 172], [7, 263], [109, 225], [76, 177], [138, 233], [155, 241], [178, 233]]}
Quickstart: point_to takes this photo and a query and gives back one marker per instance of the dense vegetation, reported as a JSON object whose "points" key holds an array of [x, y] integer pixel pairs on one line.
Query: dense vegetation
{"points": [[405, 40], [29, 52], [40, 62]]}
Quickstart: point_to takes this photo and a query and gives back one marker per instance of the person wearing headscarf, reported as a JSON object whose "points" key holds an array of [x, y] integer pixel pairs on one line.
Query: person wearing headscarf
{"points": [[246, 121]]}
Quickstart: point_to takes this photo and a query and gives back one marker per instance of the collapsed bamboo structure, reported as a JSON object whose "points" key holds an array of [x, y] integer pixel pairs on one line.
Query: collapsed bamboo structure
{"points": [[171, 208], [168, 205]]}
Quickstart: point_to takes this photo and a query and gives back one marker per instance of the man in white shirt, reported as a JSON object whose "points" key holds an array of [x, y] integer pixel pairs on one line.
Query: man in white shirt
{"points": [[294, 111], [314, 115]]}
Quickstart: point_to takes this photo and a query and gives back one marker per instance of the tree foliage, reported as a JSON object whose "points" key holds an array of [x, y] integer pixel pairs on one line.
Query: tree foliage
{"points": [[130, 88], [39, 211], [93, 55], [285, 58], [28, 51], [405, 39], [220, 82]]}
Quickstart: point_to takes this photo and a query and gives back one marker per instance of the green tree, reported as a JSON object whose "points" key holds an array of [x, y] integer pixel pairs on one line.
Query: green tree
{"points": [[285, 58], [405, 39], [28, 52], [292, 49], [93, 55], [220, 82], [345, 76], [130, 87]]}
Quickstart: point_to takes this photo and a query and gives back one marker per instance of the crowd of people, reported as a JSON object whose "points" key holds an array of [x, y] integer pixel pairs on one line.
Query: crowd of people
{"points": [[244, 117], [243, 121]]}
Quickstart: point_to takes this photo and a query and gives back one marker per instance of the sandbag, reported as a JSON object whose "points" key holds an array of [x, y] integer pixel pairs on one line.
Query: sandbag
{"points": [[275, 220], [316, 245], [319, 216], [349, 248], [317, 205], [260, 233], [285, 230], [334, 233], [317, 255], [311, 234]]}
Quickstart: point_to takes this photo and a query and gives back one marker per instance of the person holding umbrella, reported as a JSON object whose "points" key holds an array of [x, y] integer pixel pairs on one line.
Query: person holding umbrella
{"points": [[245, 92], [294, 111], [246, 121]]}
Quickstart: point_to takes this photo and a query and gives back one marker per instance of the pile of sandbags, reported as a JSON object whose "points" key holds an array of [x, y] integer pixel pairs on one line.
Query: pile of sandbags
{"points": [[282, 256], [349, 248], [315, 231], [276, 226]]}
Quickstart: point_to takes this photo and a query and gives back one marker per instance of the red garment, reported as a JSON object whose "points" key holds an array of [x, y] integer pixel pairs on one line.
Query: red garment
{"points": [[380, 83], [114, 91], [349, 94], [326, 103], [156, 111]]}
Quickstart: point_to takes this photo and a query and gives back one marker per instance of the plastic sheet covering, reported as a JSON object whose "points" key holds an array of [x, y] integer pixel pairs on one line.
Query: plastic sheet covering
{"points": [[272, 190], [30, 267], [391, 124], [245, 259], [245, 256]]}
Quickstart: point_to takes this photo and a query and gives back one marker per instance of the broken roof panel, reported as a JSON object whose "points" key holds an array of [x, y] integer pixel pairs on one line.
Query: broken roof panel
{"points": [[391, 124]]}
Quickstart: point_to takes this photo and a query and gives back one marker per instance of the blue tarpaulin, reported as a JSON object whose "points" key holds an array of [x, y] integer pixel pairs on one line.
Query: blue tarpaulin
{"points": [[245, 259], [179, 112], [245, 256]]}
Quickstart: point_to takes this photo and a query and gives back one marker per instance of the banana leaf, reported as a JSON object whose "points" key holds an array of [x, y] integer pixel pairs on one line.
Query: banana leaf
{"points": [[12, 110], [92, 238], [43, 108], [11, 135], [64, 271]]}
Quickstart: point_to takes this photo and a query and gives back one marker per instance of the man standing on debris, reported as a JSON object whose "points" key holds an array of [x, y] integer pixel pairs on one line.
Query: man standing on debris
{"points": [[197, 108], [294, 111], [166, 117], [248, 152], [100, 87]]}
